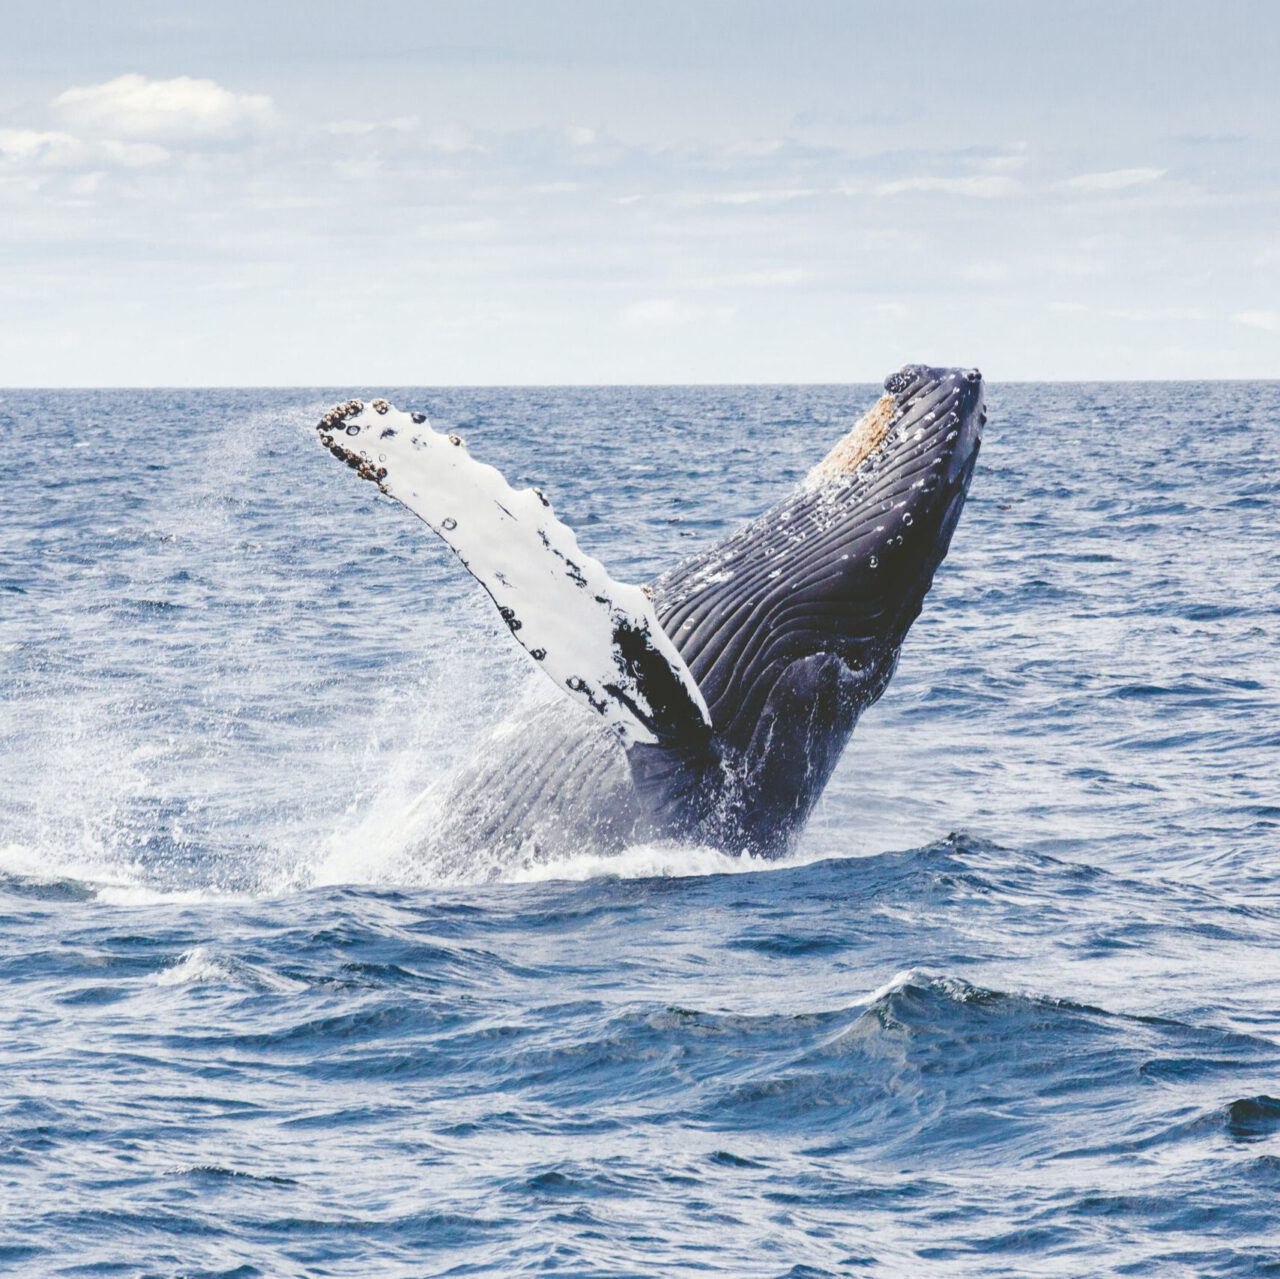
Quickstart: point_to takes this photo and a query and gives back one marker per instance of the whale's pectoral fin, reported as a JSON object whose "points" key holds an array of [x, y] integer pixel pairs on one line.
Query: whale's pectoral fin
{"points": [[598, 639]]}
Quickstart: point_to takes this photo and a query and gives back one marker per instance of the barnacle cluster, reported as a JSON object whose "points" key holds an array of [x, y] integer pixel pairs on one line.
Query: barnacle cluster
{"points": [[335, 422]]}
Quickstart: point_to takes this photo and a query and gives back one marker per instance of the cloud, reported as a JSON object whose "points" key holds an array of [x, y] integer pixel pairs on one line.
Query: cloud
{"points": [[893, 312], [1113, 179], [665, 313], [776, 278], [31, 148], [981, 187], [986, 271], [362, 128], [772, 195], [408, 133], [1269, 321], [1014, 158], [1134, 314], [51, 149], [183, 109]]}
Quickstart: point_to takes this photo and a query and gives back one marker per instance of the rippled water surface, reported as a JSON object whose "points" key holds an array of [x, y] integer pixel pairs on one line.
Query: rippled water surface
{"points": [[1013, 1008]]}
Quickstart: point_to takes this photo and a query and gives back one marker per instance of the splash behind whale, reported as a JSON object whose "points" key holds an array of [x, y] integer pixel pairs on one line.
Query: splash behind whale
{"points": [[712, 705]]}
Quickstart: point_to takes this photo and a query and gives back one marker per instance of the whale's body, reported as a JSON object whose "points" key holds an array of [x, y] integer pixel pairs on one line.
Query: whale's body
{"points": [[715, 703]]}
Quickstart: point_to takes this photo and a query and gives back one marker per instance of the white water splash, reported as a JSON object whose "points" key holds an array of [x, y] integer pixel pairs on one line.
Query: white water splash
{"points": [[196, 965], [907, 977], [201, 964], [651, 861]]}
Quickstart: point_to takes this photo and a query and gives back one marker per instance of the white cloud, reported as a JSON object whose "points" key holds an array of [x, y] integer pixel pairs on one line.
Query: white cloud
{"points": [[133, 155], [1113, 179], [1156, 314], [35, 147], [771, 195], [1014, 158], [1134, 314], [362, 128], [50, 149], [782, 277], [452, 139], [982, 187], [133, 106], [1266, 320], [664, 313], [986, 271], [578, 135]]}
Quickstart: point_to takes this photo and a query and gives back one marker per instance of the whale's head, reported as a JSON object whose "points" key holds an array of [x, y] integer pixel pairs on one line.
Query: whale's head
{"points": [[881, 508], [913, 446], [852, 552]]}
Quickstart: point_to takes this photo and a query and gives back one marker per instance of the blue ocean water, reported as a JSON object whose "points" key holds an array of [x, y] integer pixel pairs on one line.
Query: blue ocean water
{"points": [[1013, 1008]]}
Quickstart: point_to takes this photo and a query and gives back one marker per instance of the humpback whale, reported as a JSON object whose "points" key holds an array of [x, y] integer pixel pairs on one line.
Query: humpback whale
{"points": [[711, 705]]}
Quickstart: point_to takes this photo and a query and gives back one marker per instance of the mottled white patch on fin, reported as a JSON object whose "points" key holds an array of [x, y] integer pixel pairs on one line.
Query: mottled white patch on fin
{"points": [[598, 639]]}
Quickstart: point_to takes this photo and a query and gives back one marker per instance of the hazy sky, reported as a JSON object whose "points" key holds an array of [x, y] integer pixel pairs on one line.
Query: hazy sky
{"points": [[533, 191]]}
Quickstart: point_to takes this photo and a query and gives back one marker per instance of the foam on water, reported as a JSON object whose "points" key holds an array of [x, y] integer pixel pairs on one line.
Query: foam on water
{"points": [[202, 964]]}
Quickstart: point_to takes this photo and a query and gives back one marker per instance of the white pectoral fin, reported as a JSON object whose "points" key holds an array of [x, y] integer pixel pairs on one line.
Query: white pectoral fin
{"points": [[598, 639]]}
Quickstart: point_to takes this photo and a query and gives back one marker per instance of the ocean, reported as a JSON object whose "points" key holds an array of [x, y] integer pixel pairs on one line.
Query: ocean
{"points": [[1012, 1007]]}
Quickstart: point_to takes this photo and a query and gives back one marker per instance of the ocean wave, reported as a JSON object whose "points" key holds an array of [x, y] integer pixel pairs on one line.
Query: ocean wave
{"points": [[203, 965]]}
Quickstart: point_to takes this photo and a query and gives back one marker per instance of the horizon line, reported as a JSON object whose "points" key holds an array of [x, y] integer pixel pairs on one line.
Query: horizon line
{"points": [[585, 386]]}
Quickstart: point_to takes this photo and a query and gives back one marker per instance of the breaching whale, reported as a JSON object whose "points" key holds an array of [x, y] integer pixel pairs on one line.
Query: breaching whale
{"points": [[713, 704]]}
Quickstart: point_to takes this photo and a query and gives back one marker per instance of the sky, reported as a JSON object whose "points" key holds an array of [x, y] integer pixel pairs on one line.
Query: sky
{"points": [[551, 192]]}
